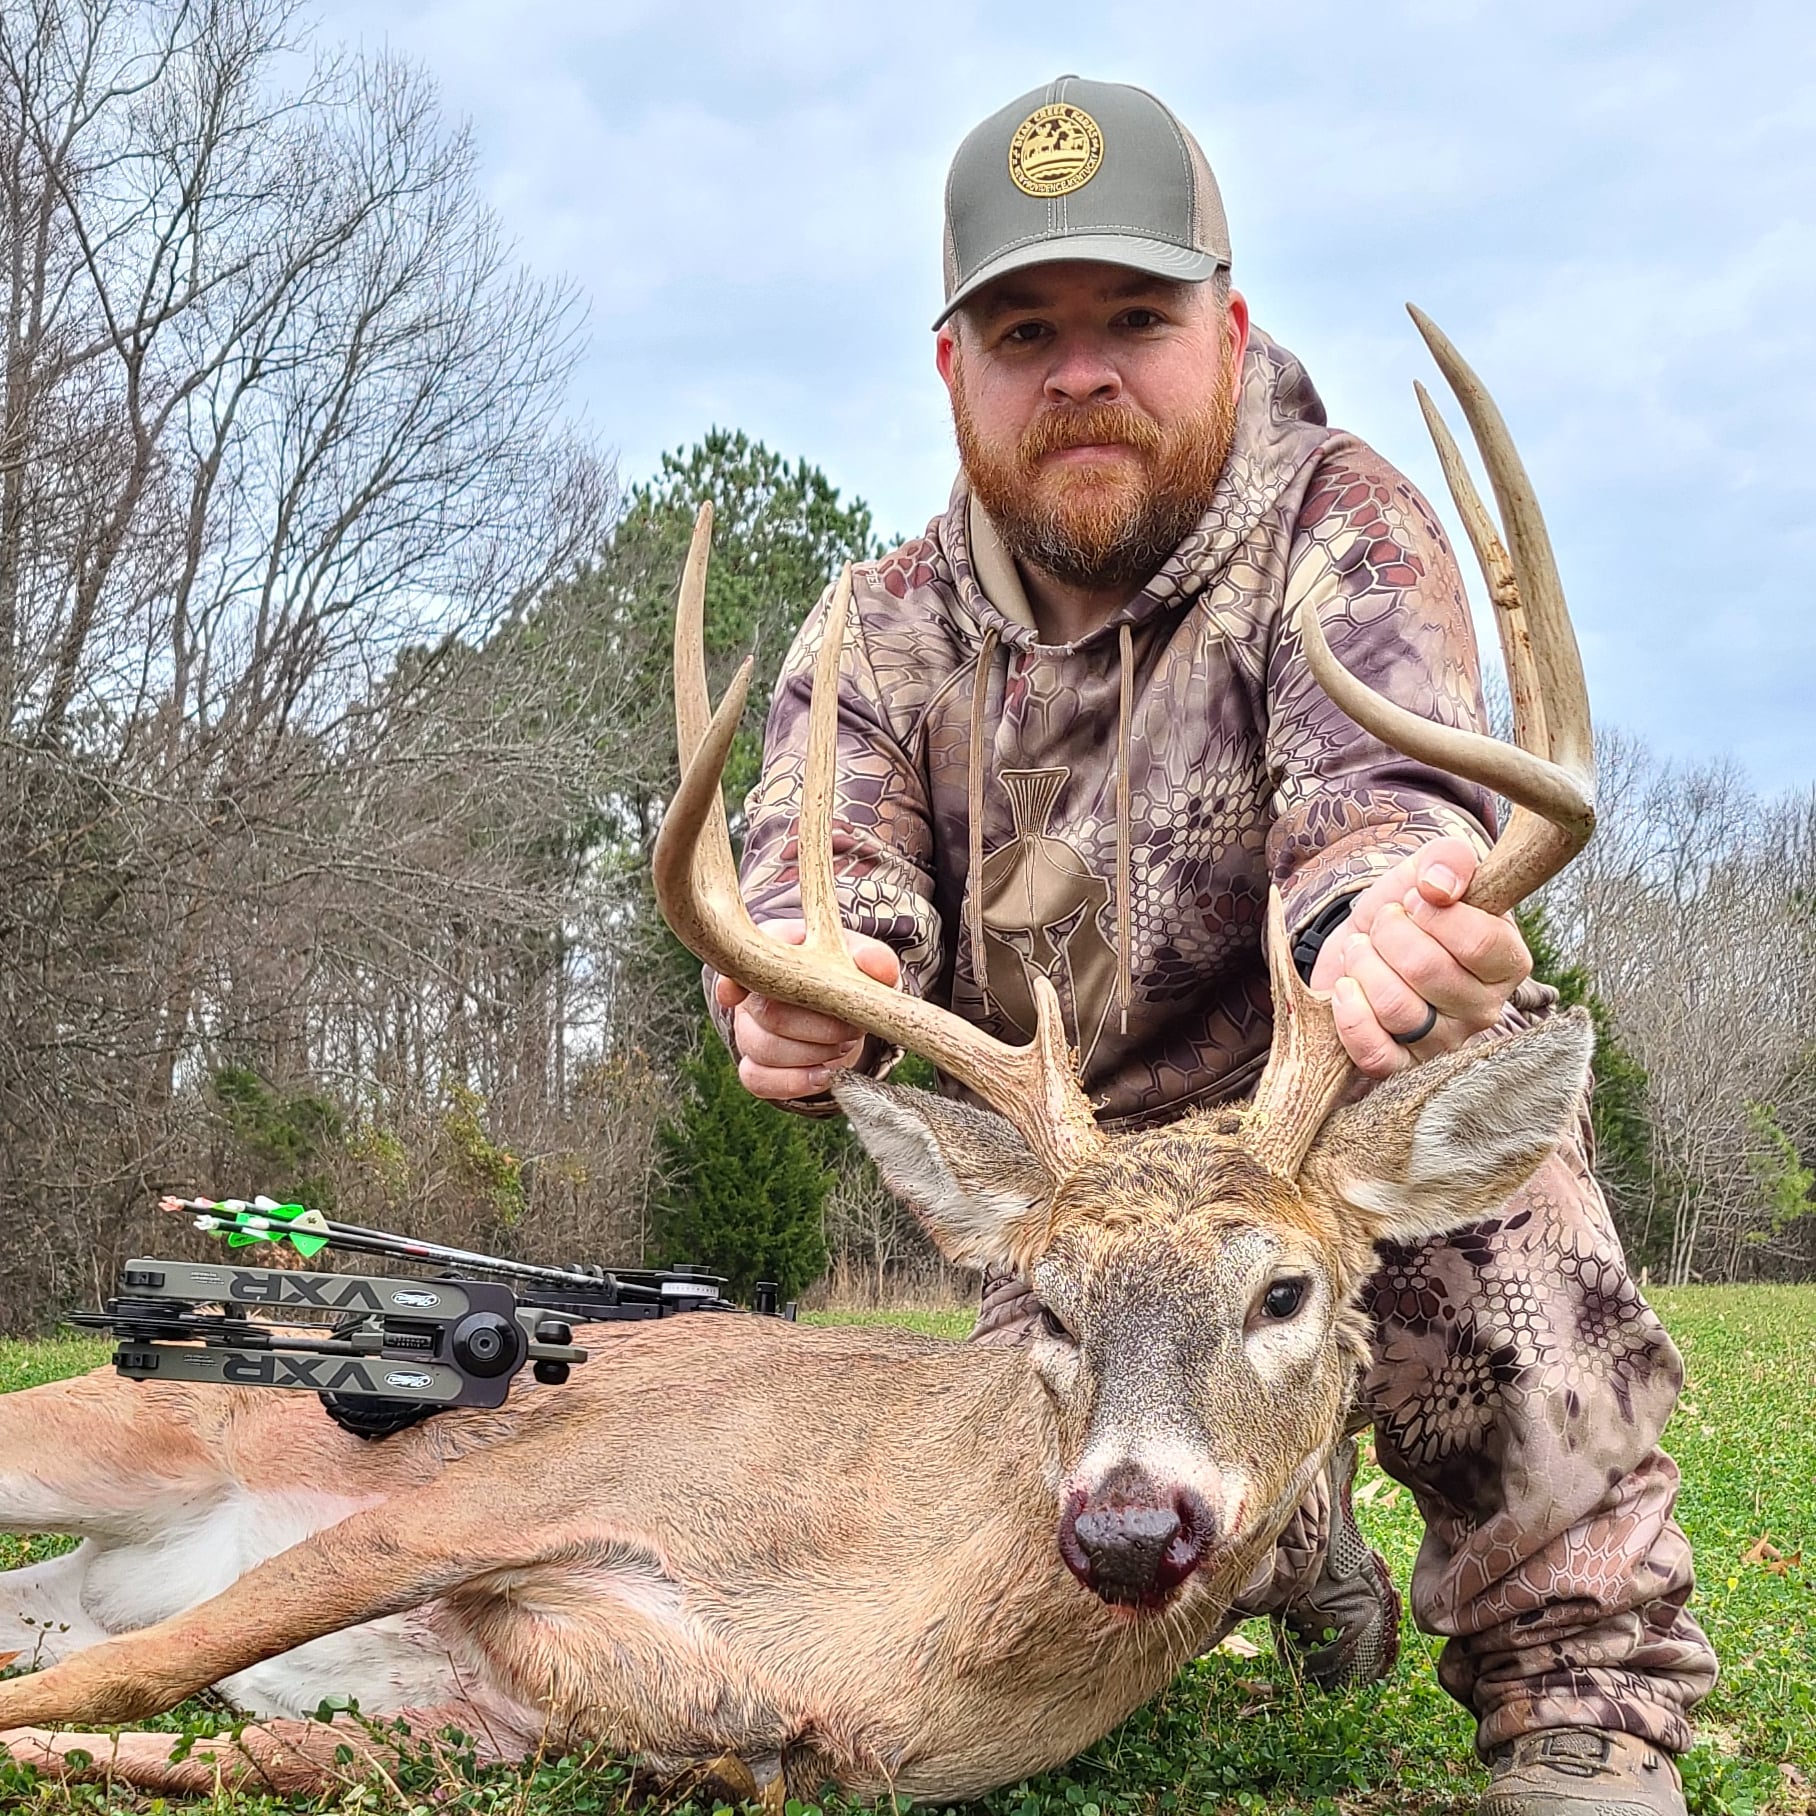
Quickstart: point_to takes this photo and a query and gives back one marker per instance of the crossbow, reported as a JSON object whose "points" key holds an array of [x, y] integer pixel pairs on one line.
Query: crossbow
{"points": [[382, 1351]]}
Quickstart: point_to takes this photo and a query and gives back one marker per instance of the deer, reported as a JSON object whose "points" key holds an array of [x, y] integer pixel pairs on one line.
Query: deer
{"points": [[793, 1556]]}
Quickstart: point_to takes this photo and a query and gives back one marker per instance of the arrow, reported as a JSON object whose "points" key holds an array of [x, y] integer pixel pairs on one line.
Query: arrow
{"points": [[261, 1220]]}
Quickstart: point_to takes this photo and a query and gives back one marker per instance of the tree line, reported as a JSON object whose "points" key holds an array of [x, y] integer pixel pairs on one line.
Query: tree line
{"points": [[1691, 922], [334, 732]]}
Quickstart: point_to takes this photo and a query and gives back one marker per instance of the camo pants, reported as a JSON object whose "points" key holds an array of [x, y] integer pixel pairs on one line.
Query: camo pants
{"points": [[1518, 1386]]}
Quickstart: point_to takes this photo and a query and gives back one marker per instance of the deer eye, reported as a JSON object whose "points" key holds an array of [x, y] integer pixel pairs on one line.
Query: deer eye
{"points": [[1054, 1325], [1283, 1298]]}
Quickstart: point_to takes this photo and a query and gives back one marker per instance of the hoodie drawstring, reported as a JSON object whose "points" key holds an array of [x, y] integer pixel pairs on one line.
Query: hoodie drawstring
{"points": [[1125, 691], [974, 813]]}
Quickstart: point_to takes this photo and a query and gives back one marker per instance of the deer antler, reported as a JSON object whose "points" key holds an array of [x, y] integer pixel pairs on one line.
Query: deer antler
{"points": [[1548, 773], [1036, 1087]]}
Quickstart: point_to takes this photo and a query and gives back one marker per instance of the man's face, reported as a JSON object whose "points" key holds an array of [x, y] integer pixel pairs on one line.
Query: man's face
{"points": [[1095, 407]]}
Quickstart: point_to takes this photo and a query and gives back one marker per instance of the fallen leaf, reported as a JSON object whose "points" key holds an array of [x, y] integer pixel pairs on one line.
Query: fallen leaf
{"points": [[1238, 1645], [1769, 1558]]}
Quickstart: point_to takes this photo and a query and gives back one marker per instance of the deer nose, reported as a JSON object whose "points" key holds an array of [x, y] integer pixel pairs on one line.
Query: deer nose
{"points": [[1134, 1543]]}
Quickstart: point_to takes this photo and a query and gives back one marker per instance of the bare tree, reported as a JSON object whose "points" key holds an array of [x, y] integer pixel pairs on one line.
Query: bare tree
{"points": [[282, 470], [1692, 911]]}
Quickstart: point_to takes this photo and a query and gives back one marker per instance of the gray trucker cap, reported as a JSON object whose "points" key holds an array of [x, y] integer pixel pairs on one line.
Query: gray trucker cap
{"points": [[1081, 170]]}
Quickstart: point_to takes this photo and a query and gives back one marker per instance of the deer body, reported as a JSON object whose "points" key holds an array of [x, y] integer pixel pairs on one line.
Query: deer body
{"points": [[829, 1554], [803, 1597]]}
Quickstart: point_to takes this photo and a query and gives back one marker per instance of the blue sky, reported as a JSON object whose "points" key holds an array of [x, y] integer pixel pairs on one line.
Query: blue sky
{"points": [[1610, 207]]}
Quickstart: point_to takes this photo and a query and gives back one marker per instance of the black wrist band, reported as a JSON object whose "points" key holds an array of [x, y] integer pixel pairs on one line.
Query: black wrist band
{"points": [[1308, 942]]}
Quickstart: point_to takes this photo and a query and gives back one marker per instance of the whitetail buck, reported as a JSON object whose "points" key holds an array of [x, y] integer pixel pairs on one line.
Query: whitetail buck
{"points": [[833, 1554]]}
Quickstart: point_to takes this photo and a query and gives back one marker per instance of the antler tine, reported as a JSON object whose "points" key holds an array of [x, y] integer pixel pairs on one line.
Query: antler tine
{"points": [[1503, 590], [1557, 662], [1307, 1067], [713, 871], [1548, 774], [819, 891], [1036, 1087], [693, 705], [1552, 789]]}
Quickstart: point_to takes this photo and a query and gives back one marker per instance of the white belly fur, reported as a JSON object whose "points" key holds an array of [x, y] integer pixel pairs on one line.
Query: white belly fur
{"points": [[105, 1587]]}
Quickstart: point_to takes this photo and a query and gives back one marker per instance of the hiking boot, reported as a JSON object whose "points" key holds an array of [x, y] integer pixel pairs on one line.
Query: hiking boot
{"points": [[1581, 1772], [1345, 1630]]}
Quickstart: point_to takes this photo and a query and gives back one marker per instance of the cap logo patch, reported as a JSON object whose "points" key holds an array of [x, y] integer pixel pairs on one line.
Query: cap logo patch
{"points": [[1056, 150]]}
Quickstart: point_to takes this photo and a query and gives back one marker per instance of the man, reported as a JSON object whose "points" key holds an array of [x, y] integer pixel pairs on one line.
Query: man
{"points": [[1077, 734]]}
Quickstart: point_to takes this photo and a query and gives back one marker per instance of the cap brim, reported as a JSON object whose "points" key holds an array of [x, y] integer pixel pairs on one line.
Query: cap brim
{"points": [[1158, 258]]}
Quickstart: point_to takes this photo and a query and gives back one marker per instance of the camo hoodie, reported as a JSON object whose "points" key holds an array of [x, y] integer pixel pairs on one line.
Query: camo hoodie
{"points": [[1112, 811]]}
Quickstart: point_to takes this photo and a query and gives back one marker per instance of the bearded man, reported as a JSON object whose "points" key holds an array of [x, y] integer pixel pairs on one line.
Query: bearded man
{"points": [[1077, 735]]}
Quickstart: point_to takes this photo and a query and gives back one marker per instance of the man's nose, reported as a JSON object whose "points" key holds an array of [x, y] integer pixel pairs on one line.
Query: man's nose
{"points": [[1083, 374]]}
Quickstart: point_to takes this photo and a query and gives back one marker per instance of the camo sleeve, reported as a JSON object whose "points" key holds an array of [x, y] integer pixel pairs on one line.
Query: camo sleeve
{"points": [[882, 841], [1370, 557]]}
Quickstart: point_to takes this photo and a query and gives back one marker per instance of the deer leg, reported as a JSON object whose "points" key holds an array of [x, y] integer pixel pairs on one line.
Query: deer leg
{"points": [[383, 1560], [283, 1757], [88, 1456]]}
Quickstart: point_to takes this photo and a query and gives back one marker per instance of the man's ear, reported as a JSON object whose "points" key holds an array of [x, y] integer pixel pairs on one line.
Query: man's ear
{"points": [[1447, 1143], [1239, 334], [972, 1181], [945, 352]]}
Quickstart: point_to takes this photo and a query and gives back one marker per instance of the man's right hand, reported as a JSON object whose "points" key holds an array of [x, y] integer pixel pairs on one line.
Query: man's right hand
{"points": [[785, 1052]]}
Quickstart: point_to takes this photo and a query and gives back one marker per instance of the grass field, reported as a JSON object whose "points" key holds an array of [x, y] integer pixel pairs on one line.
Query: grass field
{"points": [[1236, 1734]]}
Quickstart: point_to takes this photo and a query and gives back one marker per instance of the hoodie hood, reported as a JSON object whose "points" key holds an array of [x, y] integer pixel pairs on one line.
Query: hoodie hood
{"points": [[1280, 426]]}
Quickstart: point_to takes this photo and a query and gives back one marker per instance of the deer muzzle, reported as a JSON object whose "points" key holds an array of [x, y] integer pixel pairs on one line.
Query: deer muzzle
{"points": [[1132, 1542]]}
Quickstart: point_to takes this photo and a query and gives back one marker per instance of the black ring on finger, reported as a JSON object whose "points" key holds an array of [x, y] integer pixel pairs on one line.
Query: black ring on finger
{"points": [[1413, 1038]]}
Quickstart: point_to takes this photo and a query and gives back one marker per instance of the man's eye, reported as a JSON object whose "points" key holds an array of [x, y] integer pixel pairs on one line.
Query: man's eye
{"points": [[1054, 1325], [1024, 334], [1143, 318], [1283, 1298]]}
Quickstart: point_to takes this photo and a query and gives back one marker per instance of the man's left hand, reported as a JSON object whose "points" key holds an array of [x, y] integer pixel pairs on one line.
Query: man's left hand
{"points": [[1410, 945]]}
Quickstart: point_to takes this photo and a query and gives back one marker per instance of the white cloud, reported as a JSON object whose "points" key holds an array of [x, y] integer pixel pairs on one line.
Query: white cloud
{"points": [[1605, 204]]}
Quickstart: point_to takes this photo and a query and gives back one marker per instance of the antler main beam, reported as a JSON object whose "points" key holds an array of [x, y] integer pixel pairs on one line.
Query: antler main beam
{"points": [[1036, 1087], [1548, 773]]}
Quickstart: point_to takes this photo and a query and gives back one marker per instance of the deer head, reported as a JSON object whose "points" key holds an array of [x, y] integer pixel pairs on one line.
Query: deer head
{"points": [[1199, 1338]]}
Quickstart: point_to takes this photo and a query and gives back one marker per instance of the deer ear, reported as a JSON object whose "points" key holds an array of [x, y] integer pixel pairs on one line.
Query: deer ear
{"points": [[972, 1181], [1445, 1144]]}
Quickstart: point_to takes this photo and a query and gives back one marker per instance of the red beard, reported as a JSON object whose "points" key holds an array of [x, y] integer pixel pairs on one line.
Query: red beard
{"points": [[1109, 524]]}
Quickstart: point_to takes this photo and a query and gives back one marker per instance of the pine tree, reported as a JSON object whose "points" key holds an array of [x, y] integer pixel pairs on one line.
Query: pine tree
{"points": [[1619, 1111], [745, 1185], [781, 532], [287, 1139]]}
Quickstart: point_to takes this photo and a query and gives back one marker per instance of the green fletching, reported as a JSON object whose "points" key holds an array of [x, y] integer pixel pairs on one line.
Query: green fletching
{"points": [[305, 1230]]}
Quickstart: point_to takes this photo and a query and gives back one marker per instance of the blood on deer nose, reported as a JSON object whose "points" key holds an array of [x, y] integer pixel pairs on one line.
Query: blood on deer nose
{"points": [[1133, 1544]]}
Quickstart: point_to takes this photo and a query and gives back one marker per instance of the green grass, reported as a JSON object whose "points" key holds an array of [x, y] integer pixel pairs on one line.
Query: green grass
{"points": [[1239, 1735], [30, 1364]]}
